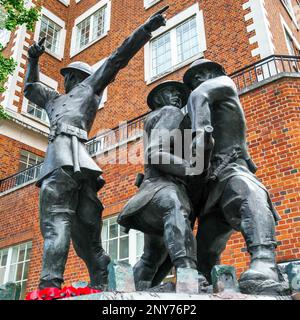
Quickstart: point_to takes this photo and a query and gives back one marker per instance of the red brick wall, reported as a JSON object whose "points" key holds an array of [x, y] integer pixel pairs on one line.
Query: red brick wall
{"points": [[10, 152], [127, 95], [272, 114], [275, 9]]}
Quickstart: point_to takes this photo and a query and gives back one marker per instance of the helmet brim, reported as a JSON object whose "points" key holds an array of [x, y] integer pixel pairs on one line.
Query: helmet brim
{"points": [[64, 71], [181, 87], [190, 73]]}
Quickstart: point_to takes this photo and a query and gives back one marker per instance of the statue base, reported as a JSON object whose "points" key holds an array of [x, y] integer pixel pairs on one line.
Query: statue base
{"points": [[155, 296]]}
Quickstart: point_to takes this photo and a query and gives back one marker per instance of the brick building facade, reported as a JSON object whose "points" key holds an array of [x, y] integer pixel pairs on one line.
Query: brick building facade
{"points": [[257, 41]]}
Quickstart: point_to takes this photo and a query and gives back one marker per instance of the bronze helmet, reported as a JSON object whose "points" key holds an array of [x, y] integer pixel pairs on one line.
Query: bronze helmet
{"points": [[181, 87], [198, 65], [78, 65]]}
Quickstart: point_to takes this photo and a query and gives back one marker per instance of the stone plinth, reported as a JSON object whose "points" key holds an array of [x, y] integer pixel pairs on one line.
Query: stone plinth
{"points": [[10, 291], [173, 296]]}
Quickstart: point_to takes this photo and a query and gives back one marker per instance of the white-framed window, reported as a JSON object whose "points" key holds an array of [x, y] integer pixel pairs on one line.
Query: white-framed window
{"points": [[150, 3], [177, 44], [30, 109], [53, 28], [292, 44], [51, 31], [120, 245], [28, 159], [290, 9], [14, 263], [37, 112], [91, 26], [95, 67]]}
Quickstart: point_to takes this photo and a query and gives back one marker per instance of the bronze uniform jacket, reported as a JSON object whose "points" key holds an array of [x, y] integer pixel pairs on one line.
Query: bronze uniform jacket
{"points": [[78, 108], [155, 180]]}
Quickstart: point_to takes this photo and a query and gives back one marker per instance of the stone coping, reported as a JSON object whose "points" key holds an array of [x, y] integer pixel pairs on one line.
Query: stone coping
{"points": [[150, 296]]}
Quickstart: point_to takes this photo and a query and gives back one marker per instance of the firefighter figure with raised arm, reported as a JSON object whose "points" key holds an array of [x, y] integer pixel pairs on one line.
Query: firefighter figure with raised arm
{"points": [[69, 178]]}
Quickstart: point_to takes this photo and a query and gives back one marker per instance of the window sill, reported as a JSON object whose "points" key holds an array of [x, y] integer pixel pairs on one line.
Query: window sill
{"points": [[150, 5], [27, 115], [175, 68], [88, 45], [65, 2], [54, 55]]}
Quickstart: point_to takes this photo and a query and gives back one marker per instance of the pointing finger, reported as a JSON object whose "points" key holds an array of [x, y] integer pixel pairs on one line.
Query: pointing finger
{"points": [[161, 11], [41, 42]]}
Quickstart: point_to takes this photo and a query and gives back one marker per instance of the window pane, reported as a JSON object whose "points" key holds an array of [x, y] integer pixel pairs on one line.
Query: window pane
{"points": [[19, 272], [91, 28], [187, 40], [28, 159], [14, 257], [113, 249], [113, 230], [2, 272], [104, 245], [51, 31], [83, 33], [139, 244], [37, 112], [104, 232], [99, 23], [28, 252], [4, 259], [12, 273], [161, 54], [122, 231], [23, 291], [22, 255], [32, 160], [18, 268], [117, 245], [25, 274], [124, 248]]}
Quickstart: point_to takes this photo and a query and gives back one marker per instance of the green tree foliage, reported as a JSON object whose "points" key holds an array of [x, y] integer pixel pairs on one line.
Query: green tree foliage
{"points": [[13, 13]]}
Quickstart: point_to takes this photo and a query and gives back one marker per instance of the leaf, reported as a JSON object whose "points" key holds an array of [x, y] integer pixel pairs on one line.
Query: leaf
{"points": [[12, 14], [3, 114]]}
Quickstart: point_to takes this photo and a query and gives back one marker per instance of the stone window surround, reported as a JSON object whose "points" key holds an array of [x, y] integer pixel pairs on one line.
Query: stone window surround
{"points": [[291, 13], [150, 3], [62, 35], [29, 155], [289, 31], [65, 2], [171, 24], [73, 50], [9, 263], [132, 240]]}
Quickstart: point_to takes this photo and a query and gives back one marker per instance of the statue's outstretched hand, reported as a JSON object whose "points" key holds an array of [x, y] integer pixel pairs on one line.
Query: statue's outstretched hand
{"points": [[37, 49], [157, 20]]}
